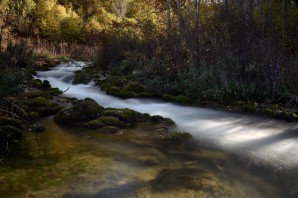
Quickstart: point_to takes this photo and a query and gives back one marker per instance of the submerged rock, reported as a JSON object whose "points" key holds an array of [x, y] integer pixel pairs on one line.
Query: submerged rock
{"points": [[81, 111]]}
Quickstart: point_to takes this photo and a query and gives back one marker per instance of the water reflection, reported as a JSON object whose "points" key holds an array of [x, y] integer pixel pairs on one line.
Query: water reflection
{"points": [[71, 162]]}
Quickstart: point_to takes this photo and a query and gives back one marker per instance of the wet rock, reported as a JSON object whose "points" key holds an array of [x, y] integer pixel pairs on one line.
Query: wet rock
{"points": [[42, 105], [94, 124], [125, 115], [81, 77], [111, 121], [81, 111]]}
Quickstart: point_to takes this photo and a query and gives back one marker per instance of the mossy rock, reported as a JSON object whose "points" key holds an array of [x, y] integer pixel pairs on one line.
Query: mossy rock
{"points": [[135, 87], [81, 77], [125, 115], [156, 119], [94, 124], [113, 88], [111, 121], [168, 97], [184, 100], [169, 122], [81, 111], [37, 83], [104, 84], [46, 84], [160, 119], [54, 91], [38, 101]]}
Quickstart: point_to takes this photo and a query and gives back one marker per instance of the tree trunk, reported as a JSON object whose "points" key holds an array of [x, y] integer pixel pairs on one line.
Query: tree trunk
{"points": [[283, 23], [270, 23], [169, 16], [261, 9], [197, 12]]}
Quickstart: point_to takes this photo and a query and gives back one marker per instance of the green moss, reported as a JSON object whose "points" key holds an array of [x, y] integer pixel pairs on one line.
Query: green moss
{"points": [[81, 111], [294, 116], [37, 83], [168, 97], [184, 100], [94, 124], [54, 92], [157, 119], [104, 84], [46, 84], [81, 77], [113, 88], [136, 87], [111, 121], [169, 122], [38, 101], [126, 115]]}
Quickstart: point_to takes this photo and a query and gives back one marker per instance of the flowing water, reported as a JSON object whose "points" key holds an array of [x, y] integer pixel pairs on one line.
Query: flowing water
{"points": [[230, 155]]}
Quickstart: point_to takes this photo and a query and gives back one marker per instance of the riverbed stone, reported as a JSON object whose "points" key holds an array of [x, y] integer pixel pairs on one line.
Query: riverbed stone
{"points": [[111, 121], [125, 115], [81, 111]]}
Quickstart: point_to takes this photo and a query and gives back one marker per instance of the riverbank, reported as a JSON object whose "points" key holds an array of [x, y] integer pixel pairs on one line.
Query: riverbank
{"points": [[22, 113], [135, 85]]}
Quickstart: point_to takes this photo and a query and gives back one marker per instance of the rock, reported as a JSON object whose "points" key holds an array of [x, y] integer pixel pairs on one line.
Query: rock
{"points": [[126, 115], [42, 106], [111, 121], [168, 97], [81, 77], [94, 124], [81, 111], [46, 84]]}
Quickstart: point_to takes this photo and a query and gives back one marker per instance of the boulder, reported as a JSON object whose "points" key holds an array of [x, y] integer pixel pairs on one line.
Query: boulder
{"points": [[81, 111]]}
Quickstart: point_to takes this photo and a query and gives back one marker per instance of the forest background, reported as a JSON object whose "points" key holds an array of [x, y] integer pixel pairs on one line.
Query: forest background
{"points": [[211, 50]]}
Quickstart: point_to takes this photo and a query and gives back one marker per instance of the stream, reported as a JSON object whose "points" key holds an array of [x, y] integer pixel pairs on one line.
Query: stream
{"points": [[230, 154]]}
